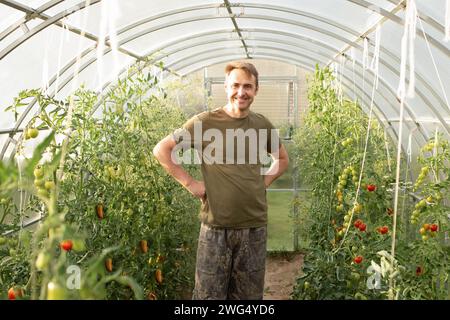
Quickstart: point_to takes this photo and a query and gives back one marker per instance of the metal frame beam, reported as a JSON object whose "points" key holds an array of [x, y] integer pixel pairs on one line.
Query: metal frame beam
{"points": [[49, 20], [236, 27]]}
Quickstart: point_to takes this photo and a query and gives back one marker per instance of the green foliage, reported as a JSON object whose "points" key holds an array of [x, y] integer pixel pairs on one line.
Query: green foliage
{"points": [[349, 220], [103, 160]]}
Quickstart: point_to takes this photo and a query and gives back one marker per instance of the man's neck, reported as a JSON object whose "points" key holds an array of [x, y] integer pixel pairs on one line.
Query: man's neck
{"points": [[235, 112]]}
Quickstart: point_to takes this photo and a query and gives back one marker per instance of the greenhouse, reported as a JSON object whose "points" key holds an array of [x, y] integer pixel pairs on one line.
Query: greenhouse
{"points": [[354, 202]]}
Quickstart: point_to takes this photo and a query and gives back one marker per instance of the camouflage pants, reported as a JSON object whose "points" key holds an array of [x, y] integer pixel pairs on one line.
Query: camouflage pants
{"points": [[230, 263]]}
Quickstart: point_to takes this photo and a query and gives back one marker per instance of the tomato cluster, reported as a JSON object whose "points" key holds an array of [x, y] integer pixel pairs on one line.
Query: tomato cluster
{"points": [[383, 230], [44, 186], [359, 224], [428, 230]]}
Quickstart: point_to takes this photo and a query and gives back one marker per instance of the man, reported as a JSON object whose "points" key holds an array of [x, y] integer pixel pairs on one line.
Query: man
{"points": [[230, 140]]}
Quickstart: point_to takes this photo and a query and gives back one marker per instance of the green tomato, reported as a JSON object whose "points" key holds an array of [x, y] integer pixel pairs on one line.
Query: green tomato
{"points": [[355, 276], [2, 241], [422, 203], [55, 291], [49, 185], [78, 245], [111, 172], [306, 285], [43, 193], [38, 172], [42, 261], [33, 132], [39, 183]]}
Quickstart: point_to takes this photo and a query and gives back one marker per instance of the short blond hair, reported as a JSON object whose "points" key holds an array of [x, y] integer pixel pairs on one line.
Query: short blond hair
{"points": [[242, 65]]}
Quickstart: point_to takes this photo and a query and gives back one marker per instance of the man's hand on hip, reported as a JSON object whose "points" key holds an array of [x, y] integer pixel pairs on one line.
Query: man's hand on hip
{"points": [[197, 188]]}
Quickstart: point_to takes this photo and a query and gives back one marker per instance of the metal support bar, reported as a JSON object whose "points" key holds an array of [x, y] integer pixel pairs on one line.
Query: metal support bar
{"points": [[236, 27], [49, 20], [24, 27], [364, 34], [46, 6]]}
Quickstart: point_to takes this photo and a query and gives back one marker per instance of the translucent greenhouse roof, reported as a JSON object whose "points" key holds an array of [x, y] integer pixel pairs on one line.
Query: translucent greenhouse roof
{"points": [[43, 44]]}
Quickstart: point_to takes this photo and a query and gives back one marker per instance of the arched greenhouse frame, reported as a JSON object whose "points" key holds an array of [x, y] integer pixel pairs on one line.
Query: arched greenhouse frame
{"points": [[359, 90]]}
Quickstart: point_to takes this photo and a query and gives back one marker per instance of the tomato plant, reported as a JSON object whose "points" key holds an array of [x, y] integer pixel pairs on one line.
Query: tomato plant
{"points": [[110, 195], [350, 187]]}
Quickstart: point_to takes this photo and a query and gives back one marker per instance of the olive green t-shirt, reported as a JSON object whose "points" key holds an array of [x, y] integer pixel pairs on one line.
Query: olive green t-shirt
{"points": [[233, 153]]}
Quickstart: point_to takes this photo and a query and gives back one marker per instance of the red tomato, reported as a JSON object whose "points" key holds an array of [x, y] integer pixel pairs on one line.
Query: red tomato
{"points": [[358, 259], [384, 230], [14, 293], [66, 245], [358, 223], [362, 227], [11, 294], [159, 276], [419, 271], [434, 227], [99, 210], [371, 187]]}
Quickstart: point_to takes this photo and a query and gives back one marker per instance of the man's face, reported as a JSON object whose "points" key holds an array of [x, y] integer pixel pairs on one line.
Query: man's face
{"points": [[241, 89]]}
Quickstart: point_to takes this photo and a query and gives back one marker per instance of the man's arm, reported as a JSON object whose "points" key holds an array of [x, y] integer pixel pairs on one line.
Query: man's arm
{"points": [[279, 165], [163, 153]]}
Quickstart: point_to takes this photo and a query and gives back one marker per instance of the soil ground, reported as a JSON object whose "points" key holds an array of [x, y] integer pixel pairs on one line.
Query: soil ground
{"points": [[281, 272]]}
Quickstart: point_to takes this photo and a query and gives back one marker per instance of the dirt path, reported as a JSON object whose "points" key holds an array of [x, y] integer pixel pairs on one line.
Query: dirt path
{"points": [[281, 271]]}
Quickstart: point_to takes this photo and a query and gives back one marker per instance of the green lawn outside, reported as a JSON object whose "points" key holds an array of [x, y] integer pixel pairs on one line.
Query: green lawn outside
{"points": [[280, 226]]}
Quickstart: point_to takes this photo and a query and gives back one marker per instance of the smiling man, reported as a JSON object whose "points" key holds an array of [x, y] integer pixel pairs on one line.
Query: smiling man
{"points": [[231, 141]]}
